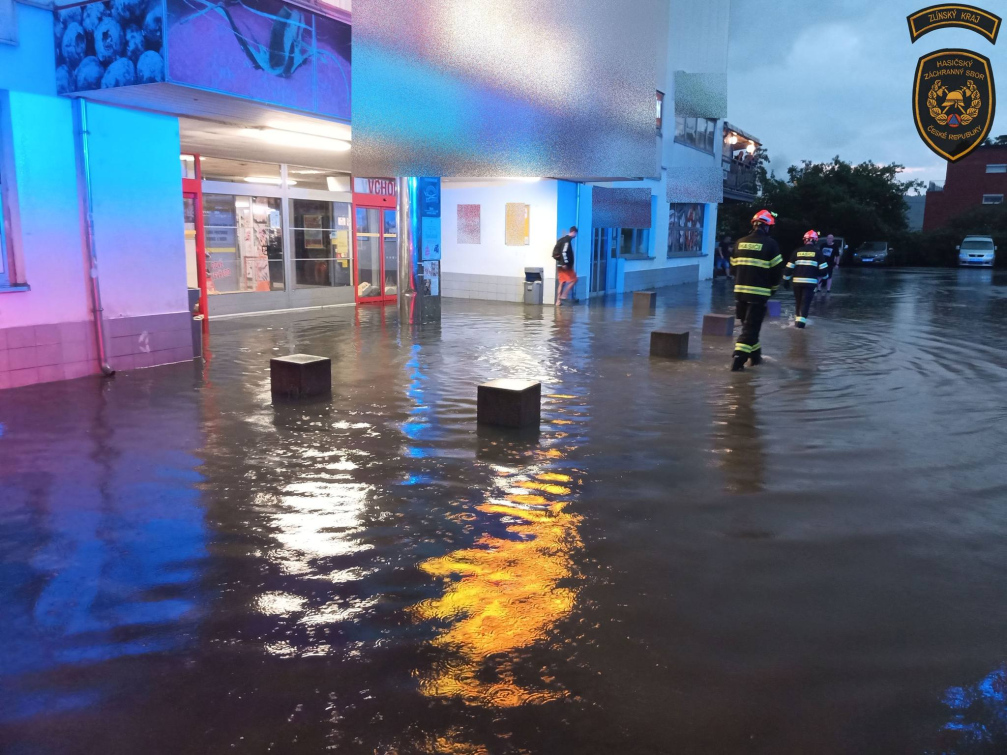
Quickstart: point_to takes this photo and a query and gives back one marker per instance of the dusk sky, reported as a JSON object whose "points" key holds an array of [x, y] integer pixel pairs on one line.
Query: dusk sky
{"points": [[817, 79]]}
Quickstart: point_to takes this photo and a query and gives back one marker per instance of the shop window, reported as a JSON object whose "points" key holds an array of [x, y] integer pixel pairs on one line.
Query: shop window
{"points": [[685, 230], [634, 241], [239, 171], [317, 178], [321, 243], [698, 133], [244, 244]]}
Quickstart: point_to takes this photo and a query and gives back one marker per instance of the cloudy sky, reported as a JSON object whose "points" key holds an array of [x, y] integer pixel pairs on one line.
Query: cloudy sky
{"points": [[818, 78]]}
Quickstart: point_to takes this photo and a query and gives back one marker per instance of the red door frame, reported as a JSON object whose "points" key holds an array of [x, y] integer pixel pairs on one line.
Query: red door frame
{"points": [[194, 187], [371, 202]]}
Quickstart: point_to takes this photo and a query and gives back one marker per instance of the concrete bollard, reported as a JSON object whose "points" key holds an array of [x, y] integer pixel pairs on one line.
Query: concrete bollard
{"points": [[509, 403], [774, 308], [718, 325], [300, 376], [668, 345], [644, 301]]}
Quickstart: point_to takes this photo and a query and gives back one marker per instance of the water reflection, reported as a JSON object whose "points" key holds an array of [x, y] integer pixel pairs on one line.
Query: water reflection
{"points": [[510, 589], [978, 720], [737, 437]]}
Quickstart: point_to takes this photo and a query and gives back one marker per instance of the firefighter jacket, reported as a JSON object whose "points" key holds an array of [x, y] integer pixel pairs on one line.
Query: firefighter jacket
{"points": [[807, 266], [757, 266]]}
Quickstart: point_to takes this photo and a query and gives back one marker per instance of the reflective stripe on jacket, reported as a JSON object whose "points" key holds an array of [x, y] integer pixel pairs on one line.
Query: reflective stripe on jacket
{"points": [[757, 266], [807, 266]]}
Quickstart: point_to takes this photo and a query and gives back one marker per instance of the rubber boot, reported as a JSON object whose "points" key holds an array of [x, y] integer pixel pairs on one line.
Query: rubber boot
{"points": [[756, 359], [739, 364]]}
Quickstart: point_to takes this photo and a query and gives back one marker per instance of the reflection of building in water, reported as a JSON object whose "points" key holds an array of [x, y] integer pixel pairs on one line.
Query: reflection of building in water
{"points": [[509, 590], [737, 439], [978, 720]]}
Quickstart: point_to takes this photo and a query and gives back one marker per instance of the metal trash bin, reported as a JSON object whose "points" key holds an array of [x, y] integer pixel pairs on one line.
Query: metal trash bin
{"points": [[533, 284]]}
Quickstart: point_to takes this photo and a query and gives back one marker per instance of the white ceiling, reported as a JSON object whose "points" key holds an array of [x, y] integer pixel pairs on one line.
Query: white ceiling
{"points": [[211, 124]]}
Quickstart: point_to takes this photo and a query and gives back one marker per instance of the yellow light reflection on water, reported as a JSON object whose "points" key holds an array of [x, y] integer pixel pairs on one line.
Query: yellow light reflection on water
{"points": [[506, 596]]}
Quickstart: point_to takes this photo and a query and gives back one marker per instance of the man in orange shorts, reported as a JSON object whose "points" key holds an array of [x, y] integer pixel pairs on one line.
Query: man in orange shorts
{"points": [[563, 254]]}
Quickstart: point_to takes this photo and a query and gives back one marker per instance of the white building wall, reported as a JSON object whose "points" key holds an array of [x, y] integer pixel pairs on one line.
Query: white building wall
{"points": [[491, 269]]}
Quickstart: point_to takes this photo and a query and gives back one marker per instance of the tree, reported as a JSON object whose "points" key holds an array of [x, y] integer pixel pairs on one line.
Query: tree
{"points": [[996, 141], [858, 202]]}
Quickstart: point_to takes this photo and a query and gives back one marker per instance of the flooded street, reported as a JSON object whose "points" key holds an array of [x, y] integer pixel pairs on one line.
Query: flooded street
{"points": [[808, 557]]}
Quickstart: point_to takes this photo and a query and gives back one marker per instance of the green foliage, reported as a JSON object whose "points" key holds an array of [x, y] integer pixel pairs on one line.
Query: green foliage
{"points": [[858, 202]]}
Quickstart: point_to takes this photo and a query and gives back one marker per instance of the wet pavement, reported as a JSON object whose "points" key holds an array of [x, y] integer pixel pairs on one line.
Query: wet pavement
{"points": [[805, 558]]}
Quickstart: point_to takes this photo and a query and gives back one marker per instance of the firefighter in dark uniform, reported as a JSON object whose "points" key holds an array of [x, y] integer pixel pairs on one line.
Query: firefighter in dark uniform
{"points": [[805, 271], [757, 266]]}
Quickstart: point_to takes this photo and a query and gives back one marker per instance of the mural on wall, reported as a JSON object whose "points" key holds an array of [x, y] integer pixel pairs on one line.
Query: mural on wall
{"points": [[109, 44], [266, 50]]}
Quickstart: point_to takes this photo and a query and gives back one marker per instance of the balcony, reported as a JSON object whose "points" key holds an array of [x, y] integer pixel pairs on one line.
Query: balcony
{"points": [[741, 175]]}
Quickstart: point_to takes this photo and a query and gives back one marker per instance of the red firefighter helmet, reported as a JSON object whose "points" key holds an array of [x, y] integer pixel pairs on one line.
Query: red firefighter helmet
{"points": [[810, 237], [765, 217]]}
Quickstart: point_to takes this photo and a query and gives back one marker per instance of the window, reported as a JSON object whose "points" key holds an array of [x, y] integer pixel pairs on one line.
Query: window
{"points": [[696, 132], [634, 241], [685, 230], [660, 110], [315, 178], [244, 243], [996, 168], [321, 243], [993, 198], [240, 171]]}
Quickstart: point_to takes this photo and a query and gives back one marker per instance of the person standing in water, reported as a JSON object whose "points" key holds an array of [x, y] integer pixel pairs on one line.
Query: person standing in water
{"points": [[805, 271], [757, 266], [831, 253]]}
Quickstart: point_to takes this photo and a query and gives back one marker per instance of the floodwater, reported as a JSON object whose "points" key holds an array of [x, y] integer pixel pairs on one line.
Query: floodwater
{"points": [[809, 557]]}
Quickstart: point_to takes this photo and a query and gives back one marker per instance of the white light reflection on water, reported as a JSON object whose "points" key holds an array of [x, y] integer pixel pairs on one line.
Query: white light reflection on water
{"points": [[316, 520]]}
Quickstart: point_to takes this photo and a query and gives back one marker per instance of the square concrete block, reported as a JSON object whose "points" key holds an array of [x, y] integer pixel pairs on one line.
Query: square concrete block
{"points": [[300, 375], [644, 301], [718, 325], [773, 308], [668, 345], [510, 403]]}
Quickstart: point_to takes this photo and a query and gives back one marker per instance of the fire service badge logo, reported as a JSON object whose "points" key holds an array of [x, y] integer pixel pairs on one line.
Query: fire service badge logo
{"points": [[954, 101]]}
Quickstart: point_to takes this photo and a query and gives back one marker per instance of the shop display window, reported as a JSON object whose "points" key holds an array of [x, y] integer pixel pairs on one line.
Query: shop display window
{"points": [[244, 243], [685, 230], [321, 243]]}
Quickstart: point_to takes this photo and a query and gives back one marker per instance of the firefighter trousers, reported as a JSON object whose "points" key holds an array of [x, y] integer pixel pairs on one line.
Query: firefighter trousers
{"points": [[751, 314], [803, 294]]}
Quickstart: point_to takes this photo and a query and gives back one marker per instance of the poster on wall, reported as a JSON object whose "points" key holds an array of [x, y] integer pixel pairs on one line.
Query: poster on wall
{"points": [[469, 224], [432, 278], [516, 223], [266, 50], [430, 235], [109, 44]]}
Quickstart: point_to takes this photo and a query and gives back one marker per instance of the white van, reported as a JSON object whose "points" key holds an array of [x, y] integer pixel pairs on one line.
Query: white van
{"points": [[977, 251]]}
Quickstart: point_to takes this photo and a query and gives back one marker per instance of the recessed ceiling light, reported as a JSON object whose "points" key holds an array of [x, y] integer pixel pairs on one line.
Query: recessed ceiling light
{"points": [[271, 180]]}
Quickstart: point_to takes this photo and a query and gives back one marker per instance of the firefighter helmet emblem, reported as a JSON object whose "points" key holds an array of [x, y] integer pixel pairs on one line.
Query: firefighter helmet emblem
{"points": [[953, 101]]}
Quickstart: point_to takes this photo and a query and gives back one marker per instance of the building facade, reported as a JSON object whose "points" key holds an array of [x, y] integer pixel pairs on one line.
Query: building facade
{"points": [[144, 180], [974, 181]]}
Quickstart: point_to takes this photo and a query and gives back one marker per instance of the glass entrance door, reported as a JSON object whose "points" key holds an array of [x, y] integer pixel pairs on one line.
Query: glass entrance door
{"points": [[377, 258], [601, 245], [368, 241]]}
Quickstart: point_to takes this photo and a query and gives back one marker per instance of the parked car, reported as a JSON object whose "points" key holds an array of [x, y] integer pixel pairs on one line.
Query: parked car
{"points": [[977, 251], [873, 253]]}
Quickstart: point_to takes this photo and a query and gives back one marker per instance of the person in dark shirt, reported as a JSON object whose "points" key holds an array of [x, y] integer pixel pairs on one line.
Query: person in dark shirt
{"points": [[758, 267], [722, 257], [563, 254], [831, 252]]}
